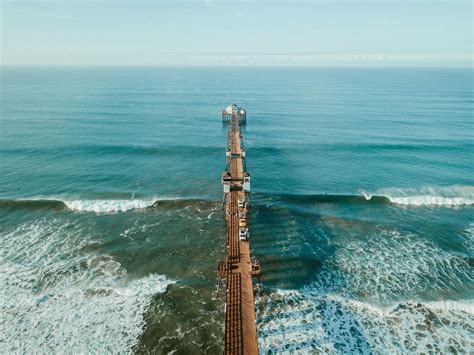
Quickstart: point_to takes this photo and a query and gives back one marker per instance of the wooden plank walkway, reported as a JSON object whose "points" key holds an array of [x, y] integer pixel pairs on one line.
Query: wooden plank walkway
{"points": [[240, 324]]}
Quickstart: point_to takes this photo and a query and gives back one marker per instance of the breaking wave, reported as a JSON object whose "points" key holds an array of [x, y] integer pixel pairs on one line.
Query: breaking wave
{"points": [[104, 206], [54, 298], [97, 206], [374, 295], [427, 196], [454, 196]]}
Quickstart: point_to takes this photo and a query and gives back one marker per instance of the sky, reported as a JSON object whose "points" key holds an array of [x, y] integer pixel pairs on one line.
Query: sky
{"points": [[236, 33]]}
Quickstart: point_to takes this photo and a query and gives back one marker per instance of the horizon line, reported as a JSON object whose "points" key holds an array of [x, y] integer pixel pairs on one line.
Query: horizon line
{"points": [[348, 66]]}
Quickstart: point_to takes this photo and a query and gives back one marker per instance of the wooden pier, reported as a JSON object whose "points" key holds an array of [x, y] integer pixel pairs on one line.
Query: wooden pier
{"points": [[238, 268]]}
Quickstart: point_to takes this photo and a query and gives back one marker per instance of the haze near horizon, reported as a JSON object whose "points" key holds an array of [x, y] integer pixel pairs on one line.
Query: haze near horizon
{"points": [[231, 33]]}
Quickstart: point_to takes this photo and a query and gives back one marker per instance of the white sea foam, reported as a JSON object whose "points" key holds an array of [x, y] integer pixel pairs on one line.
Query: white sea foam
{"points": [[105, 206], [364, 299], [456, 195], [56, 299], [366, 194], [390, 265], [422, 200], [299, 322]]}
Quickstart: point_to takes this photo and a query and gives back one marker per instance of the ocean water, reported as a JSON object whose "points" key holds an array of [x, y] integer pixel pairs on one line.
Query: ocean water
{"points": [[111, 224]]}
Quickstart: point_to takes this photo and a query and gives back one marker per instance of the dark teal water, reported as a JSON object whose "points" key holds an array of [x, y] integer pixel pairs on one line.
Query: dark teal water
{"points": [[111, 222]]}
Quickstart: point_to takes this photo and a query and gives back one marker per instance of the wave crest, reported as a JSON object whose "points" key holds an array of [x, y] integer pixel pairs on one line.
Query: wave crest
{"points": [[104, 206], [93, 205], [456, 195]]}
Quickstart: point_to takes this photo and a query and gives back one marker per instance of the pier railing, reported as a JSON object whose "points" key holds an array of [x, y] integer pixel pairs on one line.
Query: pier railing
{"points": [[238, 268]]}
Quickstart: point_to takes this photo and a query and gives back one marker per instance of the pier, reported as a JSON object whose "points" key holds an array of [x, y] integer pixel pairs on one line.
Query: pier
{"points": [[237, 269]]}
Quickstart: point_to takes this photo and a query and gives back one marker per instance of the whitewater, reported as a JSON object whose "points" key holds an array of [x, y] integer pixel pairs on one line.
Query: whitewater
{"points": [[63, 300], [426, 196], [111, 222]]}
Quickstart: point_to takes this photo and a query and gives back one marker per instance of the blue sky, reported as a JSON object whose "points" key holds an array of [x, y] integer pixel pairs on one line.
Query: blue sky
{"points": [[221, 33]]}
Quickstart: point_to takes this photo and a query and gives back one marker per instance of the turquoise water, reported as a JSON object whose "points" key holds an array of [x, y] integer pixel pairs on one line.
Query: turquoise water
{"points": [[111, 220]]}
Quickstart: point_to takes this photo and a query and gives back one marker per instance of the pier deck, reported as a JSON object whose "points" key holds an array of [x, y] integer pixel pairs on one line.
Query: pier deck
{"points": [[240, 323]]}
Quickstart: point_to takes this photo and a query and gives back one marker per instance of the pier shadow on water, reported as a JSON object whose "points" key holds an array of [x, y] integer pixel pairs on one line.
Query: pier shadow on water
{"points": [[296, 310], [305, 323], [290, 245], [293, 242]]}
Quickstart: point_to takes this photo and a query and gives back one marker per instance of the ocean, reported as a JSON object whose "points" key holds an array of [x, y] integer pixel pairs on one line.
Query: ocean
{"points": [[111, 221]]}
